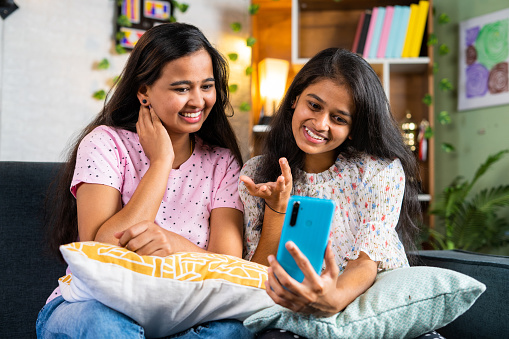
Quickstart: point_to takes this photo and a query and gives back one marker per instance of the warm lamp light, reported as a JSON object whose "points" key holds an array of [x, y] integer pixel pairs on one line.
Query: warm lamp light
{"points": [[273, 75]]}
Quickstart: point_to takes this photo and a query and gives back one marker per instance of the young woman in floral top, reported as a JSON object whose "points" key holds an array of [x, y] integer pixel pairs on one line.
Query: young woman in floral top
{"points": [[333, 137]]}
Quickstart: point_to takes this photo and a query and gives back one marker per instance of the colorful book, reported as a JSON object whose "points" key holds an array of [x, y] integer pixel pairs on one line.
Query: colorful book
{"points": [[391, 41], [403, 25], [364, 32], [371, 29], [358, 32], [377, 32], [422, 16], [386, 28], [412, 23]]}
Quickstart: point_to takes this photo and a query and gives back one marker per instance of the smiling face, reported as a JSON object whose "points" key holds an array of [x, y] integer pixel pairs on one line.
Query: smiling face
{"points": [[321, 122], [184, 94]]}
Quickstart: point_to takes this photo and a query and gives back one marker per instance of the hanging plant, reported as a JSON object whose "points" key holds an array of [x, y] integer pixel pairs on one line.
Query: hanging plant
{"points": [[432, 40], [233, 88], [103, 64], [427, 99], [245, 107], [445, 85], [99, 95], [253, 9], [443, 49], [444, 118], [233, 56], [250, 41], [448, 148], [443, 18], [236, 27]]}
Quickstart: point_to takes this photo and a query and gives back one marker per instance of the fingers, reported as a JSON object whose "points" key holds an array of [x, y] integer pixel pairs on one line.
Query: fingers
{"points": [[118, 235], [143, 116], [154, 117], [263, 190], [279, 293], [331, 268], [132, 232], [305, 266], [286, 171]]}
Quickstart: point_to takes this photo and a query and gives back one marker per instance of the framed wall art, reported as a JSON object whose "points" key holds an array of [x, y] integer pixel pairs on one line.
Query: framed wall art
{"points": [[141, 15], [483, 61]]}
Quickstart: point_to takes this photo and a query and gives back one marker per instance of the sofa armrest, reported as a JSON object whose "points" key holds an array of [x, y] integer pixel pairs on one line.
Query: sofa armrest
{"points": [[489, 316]]}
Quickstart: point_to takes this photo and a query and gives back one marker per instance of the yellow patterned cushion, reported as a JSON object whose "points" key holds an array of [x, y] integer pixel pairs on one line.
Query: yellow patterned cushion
{"points": [[164, 295]]}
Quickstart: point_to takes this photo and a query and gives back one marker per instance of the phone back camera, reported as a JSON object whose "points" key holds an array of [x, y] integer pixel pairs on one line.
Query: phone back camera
{"points": [[295, 212]]}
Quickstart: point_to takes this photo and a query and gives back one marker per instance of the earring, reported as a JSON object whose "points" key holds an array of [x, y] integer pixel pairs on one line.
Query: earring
{"points": [[144, 101]]}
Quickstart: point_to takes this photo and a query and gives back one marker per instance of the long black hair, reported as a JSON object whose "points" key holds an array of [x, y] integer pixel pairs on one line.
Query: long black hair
{"points": [[156, 47], [374, 130]]}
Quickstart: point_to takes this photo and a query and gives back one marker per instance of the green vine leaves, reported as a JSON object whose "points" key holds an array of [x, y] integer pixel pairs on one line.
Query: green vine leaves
{"points": [[444, 84]]}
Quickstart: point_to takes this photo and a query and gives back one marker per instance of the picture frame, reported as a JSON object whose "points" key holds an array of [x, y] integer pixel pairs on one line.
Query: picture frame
{"points": [[142, 15], [483, 61]]}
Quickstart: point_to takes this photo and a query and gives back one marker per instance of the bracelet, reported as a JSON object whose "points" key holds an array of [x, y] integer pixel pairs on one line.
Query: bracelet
{"points": [[273, 209]]}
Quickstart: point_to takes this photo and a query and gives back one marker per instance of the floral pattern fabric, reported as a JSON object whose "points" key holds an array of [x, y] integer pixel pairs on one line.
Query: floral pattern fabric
{"points": [[368, 192]]}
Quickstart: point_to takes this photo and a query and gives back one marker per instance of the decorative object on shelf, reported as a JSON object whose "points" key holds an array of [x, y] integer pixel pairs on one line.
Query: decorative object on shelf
{"points": [[483, 61], [471, 224], [7, 7], [422, 140], [273, 75], [409, 129]]}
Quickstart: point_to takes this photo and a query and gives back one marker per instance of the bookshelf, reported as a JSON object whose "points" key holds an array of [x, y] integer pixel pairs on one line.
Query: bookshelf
{"points": [[295, 30]]}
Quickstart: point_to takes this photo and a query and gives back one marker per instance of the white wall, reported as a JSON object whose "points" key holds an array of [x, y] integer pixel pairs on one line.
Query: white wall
{"points": [[48, 50]]}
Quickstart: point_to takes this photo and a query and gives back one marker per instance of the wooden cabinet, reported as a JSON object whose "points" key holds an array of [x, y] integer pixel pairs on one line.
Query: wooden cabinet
{"points": [[296, 30]]}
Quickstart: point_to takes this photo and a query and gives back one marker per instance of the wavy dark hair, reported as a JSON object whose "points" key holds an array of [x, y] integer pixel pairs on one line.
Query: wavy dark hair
{"points": [[374, 130], [156, 47]]}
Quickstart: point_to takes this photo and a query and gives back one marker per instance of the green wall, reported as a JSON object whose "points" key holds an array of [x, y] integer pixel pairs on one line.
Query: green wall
{"points": [[474, 133]]}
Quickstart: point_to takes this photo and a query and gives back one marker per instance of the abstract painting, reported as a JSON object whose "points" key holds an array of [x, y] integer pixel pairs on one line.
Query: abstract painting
{"points": [[484, 61], [142, 15]]}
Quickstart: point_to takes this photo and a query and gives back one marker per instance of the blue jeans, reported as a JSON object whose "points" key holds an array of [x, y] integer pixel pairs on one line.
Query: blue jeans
{"points": [[91, 319]]}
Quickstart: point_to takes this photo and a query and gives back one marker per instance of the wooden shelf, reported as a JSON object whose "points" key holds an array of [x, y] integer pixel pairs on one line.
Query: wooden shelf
{"points": [[313, 25]]}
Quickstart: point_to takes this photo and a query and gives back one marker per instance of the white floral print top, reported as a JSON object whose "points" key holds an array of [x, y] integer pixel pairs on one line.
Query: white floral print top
{"points": [[368, 192]]}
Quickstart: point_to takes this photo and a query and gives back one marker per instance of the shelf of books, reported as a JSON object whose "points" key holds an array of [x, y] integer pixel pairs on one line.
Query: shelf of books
{"points": [[375, 31], [392, 36]]}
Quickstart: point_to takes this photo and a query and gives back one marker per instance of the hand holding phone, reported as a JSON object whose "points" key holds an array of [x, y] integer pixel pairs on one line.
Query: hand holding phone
{"points": [[307, 223]]}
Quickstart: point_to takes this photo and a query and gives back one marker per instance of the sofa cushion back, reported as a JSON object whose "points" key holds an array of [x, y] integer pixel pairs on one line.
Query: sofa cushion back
{"points": [[28, 273]]}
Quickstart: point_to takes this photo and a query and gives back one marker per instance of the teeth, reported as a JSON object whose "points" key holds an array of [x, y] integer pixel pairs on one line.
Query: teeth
{"points": [[313, 135], [191, 115]]}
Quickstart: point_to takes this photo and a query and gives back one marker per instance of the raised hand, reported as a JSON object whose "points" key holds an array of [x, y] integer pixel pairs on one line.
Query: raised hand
{"points": [[153, 136], [276, 194]]}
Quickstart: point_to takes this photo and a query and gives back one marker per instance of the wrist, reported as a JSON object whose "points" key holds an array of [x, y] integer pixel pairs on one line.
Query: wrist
{"points": [[163, 163], [281, 211]]}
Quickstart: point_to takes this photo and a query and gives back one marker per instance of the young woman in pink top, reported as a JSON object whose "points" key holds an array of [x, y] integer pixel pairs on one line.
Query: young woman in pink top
{"points": [[155, 172]]}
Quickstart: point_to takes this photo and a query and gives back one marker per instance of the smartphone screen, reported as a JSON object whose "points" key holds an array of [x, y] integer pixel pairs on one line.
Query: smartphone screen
{"points": [[307, 223]]}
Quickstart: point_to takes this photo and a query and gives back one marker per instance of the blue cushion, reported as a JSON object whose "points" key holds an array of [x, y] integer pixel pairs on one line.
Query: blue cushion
{"points": [[403, 303]]}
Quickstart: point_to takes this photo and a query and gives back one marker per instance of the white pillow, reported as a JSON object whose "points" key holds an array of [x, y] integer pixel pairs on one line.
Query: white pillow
{"points": [[164, 295]]}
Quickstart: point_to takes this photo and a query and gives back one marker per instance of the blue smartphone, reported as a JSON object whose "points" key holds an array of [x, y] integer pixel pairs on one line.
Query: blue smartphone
{"points": [[307, 223]]}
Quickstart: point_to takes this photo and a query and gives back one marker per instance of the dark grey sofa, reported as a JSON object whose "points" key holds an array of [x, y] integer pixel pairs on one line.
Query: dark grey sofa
{"points": [[29, 274]]}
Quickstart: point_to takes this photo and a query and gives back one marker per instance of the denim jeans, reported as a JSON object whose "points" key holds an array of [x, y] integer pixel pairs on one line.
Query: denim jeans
{"points": [[91, 319]]}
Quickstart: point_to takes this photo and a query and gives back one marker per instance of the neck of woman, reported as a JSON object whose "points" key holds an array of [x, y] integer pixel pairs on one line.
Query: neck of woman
{"points": [[318, 163], [183, 148]]}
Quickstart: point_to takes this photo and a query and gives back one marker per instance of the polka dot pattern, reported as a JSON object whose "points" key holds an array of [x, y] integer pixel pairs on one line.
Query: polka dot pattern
{"points": [[207, 180]]}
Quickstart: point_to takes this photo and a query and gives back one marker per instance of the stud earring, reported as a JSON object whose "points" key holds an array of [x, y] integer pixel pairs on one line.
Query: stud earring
{"points": [[144, 101]]}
